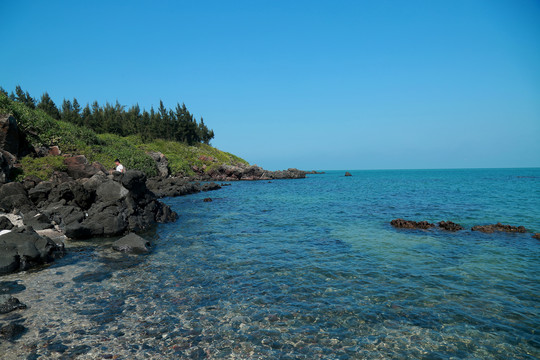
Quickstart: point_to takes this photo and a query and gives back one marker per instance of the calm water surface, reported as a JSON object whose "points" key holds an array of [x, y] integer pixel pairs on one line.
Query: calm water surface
{"points": [[304, 269]]}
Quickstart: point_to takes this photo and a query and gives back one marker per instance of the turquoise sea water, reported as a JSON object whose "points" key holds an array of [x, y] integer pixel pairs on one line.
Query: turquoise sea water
{"points": [[305, 269]]}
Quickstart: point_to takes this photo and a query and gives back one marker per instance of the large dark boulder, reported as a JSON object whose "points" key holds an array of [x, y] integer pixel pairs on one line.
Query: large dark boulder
{"points": [[499, 227], [13, 196], [78, 167], [23, 248], [111, 191], [132, 243], [37, 221], [135, 182]]}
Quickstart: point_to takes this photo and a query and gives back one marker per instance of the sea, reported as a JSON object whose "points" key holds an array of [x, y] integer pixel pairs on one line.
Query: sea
{"points": [[303, 269]]}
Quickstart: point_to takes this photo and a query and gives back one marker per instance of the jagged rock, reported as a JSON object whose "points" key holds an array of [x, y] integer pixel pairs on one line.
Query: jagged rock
{"points": [[410, 224], [347, 173], [8, 304], [499, 227], [23, 248], [450, 226], [30, 182], [161, 161], [132, 243], [37, 221], [121, 203], [13, 196], [171, 187]]}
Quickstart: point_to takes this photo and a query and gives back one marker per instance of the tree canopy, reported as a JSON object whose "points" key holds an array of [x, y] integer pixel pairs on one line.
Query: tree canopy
{"points": [[176, 124]]}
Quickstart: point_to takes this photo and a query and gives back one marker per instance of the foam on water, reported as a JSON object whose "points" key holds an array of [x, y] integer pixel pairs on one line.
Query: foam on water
{"points": [[305, 269]]}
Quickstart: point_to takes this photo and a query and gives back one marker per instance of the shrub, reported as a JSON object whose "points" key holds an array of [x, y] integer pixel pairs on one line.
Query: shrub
{"points": [[42, 167]]}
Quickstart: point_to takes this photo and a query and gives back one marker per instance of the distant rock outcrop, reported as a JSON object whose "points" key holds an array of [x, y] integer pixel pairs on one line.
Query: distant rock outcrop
{"points": [[450, 226], [499, 227], [348, 173], [410, 224], [252, 172]]}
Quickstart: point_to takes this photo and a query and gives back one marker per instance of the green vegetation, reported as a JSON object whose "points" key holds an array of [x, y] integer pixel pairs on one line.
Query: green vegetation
{"points": [[43, 129], [42, 167], [176, 124]]}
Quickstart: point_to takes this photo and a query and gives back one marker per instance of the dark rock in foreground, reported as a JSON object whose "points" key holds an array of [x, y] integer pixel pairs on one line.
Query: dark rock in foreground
{"points": [[499, 227], [410, 224], [23, 248], [8, 303], [132, 243], [450, 226]]}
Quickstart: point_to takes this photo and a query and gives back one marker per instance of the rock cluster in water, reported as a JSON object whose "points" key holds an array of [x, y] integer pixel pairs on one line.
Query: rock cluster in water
{"points": [[499, 227], [451, 226]]}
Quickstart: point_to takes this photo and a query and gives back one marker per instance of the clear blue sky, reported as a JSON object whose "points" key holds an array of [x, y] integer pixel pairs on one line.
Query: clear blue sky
{"points": [[307, 84]]}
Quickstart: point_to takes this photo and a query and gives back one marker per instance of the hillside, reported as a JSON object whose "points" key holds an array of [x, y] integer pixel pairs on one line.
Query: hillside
{"points": [[42, 130]]}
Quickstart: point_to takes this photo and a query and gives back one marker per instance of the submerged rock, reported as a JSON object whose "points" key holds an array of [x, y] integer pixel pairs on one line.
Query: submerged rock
{"points": [[8, 303], [132, 243], [499, 227], [536, 236], [410, 224], [207, 200], [450, 226], [11, 331]]}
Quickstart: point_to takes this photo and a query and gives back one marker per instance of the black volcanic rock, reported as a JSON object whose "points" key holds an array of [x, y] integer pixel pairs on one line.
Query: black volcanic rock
{"points": [[410, 224], [450, 226], [499, 227], [23, 248]]}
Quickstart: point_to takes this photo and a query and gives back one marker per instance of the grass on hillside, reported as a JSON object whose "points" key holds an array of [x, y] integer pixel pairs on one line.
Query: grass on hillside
{"points": [[42, 130]]}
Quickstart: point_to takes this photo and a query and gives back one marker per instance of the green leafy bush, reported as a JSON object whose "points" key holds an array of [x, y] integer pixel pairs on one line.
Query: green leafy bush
{"points": [[42, 167]]}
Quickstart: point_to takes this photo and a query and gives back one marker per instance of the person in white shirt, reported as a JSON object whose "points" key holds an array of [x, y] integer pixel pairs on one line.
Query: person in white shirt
{"points": [[119, 167]]}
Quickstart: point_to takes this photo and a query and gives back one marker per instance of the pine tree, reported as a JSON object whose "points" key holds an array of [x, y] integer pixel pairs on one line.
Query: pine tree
{"points": [[47, 104], [76, 112]]}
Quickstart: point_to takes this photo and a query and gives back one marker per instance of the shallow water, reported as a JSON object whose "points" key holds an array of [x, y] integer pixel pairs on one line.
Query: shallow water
{"points": [[304, 269]]}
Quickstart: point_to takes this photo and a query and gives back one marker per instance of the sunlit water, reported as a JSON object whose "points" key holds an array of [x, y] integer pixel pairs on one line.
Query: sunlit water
{"points": [[304, 269]]}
